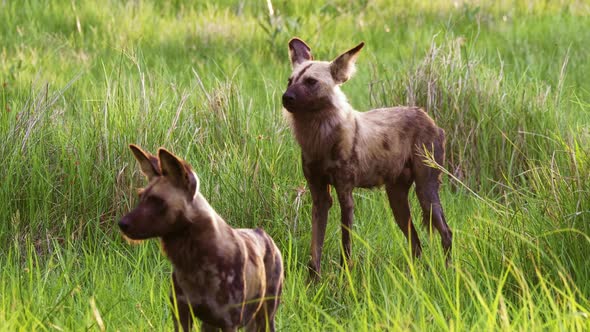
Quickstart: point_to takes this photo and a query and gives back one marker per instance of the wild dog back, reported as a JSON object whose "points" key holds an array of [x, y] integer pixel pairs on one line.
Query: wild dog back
{"points": [[386, 141], [229, 278]]}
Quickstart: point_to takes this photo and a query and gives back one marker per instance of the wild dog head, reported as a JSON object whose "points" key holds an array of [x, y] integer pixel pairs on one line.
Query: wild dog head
{"points": [[163, 203], [314, 85]]}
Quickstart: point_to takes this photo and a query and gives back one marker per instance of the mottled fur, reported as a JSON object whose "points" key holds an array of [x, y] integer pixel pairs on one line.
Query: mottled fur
{"points": [[346, 149], [228, 278]]}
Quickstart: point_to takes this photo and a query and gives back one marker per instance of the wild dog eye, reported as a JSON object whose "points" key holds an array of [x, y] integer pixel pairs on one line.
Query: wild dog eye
{"points": [[310, 81], [155, 200], [158, 205]]}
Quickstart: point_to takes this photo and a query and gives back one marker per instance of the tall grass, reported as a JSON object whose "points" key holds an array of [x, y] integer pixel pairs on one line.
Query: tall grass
{"points": [[80, 81]]}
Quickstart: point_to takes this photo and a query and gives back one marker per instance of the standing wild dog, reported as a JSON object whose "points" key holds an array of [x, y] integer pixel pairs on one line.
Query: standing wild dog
{"points": [[347, 149], [228, 278]]}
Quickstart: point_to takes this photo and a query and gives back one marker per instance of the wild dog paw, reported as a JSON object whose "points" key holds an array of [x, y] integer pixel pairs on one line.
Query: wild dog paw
{"points": [[314, 272]]}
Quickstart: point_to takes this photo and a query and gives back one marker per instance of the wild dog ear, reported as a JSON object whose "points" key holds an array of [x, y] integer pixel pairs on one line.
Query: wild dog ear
{"points": [[299, 52], [148, 163], [342, 67], [178, 172]]}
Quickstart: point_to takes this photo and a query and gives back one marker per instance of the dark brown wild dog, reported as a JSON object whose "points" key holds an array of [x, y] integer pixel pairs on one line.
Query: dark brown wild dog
{"points": [[228, 278], [347, 149]]}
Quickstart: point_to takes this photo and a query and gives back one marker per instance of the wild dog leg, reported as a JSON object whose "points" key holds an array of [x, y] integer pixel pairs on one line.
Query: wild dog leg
{"points": [[432, 212], [397, 192], [208, 328], [185, 318], [427, 187], [321, 203], [347, 216], [264, 319], [228, 329]]}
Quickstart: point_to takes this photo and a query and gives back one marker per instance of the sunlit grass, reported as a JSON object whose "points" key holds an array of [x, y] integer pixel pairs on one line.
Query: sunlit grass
{"points": [[80, 81]]}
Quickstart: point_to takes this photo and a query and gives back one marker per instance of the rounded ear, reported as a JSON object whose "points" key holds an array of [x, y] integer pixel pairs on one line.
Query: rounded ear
{"points": [[299, 52], [178, 172], [148, 163], [343, 67]]}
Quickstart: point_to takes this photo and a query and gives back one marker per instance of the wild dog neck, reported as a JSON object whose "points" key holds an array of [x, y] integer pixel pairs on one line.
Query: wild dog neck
{"points": [[318, 132], [201, 239]]}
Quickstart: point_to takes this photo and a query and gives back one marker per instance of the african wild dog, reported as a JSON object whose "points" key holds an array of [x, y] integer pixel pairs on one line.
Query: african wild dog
{"points": [[228, 278], [347, 149]]}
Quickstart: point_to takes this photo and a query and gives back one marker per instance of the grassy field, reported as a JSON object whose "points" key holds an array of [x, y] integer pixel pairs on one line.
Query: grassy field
{"points": [[508, 81]]}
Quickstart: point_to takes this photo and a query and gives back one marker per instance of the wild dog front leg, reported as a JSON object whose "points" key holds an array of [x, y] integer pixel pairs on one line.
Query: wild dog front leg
{"points": [[321, 203], [179, 301], [347, 216]]}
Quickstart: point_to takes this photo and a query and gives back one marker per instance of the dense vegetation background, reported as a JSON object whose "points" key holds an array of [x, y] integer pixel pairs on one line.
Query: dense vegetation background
{"points": [[508, 81]]}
